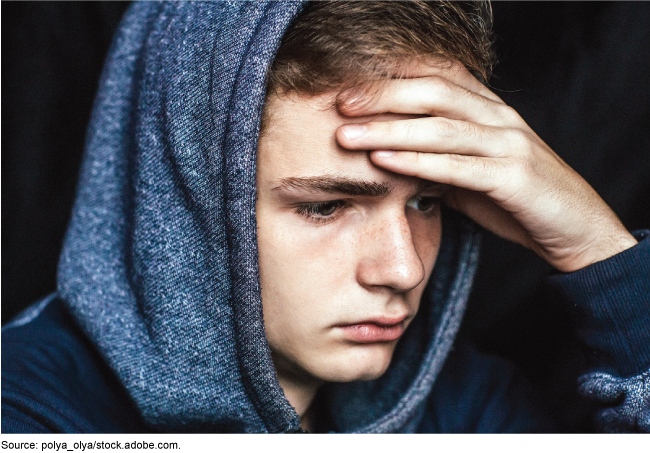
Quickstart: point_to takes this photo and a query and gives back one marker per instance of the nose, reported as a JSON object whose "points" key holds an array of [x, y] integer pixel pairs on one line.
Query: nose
{"points": [[389, 257]]}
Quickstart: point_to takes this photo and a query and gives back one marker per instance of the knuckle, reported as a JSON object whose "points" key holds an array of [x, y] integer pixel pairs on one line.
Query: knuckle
{"points": [[446, 128], [437, 83], [467, 168], [520, 140], [457, 161], [439, 89], [407, 131], [490, 171], [398, 132], [484, 167], [520, 171], [527, 167], [510, 114], [468, 129]]}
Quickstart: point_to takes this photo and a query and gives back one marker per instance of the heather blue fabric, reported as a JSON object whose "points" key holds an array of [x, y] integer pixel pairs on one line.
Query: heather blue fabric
{"points": [[159, 265], [625, 402]]}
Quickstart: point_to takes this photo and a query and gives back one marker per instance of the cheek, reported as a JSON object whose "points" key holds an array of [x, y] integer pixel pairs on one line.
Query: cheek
{"points": [[292, 255], [303, 272]]}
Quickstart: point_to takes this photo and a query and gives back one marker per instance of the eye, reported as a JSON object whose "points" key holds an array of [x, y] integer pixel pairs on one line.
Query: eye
{"points": [[423, 203], [320, 212], [325, 209]]}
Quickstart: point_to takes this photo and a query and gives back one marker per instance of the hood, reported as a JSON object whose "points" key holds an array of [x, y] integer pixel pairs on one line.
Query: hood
{"points": [[159, 264]]}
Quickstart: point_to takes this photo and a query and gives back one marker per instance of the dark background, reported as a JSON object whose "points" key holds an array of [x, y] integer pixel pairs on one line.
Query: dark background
{"points": [[578, 73]]}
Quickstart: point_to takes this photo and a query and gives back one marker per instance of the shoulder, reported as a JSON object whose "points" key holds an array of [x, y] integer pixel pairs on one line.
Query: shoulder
{"points": [[482, 393], [53, 379]]}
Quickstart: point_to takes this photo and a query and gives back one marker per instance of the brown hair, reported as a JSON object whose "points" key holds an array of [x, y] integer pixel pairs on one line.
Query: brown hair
{"points": [[335, 45]]}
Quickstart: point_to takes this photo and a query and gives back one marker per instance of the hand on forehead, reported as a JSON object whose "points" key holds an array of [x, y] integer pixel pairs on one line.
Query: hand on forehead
{"points": [[410, 91], [502, 174]]}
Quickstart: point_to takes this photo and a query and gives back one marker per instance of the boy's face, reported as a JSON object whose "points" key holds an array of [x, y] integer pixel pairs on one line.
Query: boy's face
{"points": [[345, 248]]}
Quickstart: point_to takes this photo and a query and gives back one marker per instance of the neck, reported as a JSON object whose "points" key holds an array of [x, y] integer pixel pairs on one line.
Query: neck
{"points": [[300, 394]]}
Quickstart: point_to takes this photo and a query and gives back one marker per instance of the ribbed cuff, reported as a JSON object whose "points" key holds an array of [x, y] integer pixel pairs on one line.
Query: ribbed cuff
{"points": [[610, 305]]}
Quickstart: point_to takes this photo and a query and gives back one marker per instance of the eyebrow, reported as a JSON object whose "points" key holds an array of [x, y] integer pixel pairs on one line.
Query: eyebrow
{"points": [[335, 184]]}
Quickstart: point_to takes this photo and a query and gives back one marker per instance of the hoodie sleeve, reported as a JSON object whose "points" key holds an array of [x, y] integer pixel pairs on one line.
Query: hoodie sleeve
{"points": [[610, 305]]}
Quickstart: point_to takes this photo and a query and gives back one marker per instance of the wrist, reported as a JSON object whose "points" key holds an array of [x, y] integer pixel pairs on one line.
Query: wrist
{"points": [[596, 251]]}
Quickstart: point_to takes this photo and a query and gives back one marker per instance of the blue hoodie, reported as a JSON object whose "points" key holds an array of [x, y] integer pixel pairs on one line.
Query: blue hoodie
{"points": [[157, 321]]}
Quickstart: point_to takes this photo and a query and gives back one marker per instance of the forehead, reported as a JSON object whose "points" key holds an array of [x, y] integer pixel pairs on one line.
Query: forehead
{"points": [[299, 139]]}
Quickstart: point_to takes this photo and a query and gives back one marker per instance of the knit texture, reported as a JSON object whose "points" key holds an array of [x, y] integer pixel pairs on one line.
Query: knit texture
{"points": [[159, 266], [626, 401], [610, 306]]}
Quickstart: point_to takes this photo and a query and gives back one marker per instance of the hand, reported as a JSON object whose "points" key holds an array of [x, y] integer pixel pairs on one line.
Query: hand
{"points": [[502, 174]]}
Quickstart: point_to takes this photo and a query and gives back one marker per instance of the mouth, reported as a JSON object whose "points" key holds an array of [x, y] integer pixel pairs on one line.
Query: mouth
{"points": [[375, 330]]}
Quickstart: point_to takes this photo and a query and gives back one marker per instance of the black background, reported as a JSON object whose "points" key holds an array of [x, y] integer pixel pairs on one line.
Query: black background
{"points": [[578, 73]]}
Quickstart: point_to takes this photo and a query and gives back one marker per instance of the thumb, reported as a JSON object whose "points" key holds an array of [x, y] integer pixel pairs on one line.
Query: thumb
{"points": [[482, 210]]}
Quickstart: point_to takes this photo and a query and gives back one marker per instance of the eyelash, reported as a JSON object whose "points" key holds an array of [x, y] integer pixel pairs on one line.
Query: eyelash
{"points": [[313, 210], [435, 203]]}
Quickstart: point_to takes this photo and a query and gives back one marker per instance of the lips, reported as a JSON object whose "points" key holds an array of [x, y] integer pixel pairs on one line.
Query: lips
{"points": [[374, 330]]}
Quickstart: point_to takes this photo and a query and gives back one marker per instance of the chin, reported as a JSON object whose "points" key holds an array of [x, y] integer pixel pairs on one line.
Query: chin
{"points": [[358, 363]]}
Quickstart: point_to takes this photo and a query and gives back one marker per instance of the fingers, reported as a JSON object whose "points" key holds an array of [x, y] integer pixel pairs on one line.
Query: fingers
{"points": [[431, 135], [434, 96], [469, 172], [453, 71]]}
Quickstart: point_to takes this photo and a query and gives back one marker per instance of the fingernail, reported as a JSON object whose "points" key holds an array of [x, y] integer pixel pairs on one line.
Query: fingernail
{"points": [[384, 153], [353, 131]]}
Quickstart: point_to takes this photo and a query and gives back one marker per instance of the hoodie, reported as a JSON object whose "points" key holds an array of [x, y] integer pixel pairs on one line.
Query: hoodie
{"points": [[158, 311]]}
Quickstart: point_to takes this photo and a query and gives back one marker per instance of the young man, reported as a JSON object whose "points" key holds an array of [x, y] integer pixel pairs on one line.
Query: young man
{"points": [[371, 120]]}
